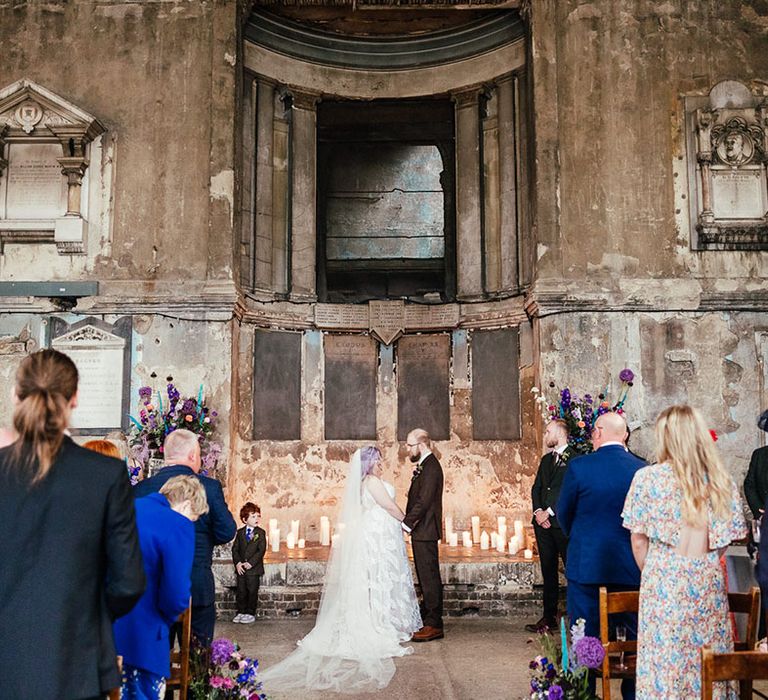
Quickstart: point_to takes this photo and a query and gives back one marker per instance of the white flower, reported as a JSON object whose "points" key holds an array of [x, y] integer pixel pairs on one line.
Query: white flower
{"points": [[535, 390]]}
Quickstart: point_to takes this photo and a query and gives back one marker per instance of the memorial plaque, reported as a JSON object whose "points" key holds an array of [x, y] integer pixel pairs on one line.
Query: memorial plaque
{"points": [[423, 385], [350, 387], [276, 385], [341, 316], [387, 319], [431, 317], [103, 386], [495, 385], [36, 188], [738, 194]]}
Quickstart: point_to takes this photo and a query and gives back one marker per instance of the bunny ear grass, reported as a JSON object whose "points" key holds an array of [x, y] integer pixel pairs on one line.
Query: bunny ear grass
{"points": [[762, 422]]}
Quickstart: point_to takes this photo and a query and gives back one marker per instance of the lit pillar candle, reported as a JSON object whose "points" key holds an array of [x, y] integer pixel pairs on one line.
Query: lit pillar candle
{"points": [[453, 539], [466, 539], [519, 531], [448, 526], [302, 543], [290, 540], [295, 530], [334, 539], [484, 540], [494, 540], [501, 522], [325, 531], [274, 536], [514, 545], [501, 542], [528, 554], [475, 529]]}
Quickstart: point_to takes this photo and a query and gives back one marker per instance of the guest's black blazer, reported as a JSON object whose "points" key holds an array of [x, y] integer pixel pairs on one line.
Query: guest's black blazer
{"points": [[756, 482], [424, 511], [70, 564], [549, 479], [251, 552]]}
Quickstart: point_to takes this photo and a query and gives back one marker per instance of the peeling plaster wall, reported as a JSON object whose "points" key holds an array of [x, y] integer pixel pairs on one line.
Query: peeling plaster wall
{"points": [[714, 361], [609, 77], [159, 76]]}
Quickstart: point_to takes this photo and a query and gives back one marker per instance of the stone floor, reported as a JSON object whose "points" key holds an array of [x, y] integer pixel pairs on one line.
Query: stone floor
{"points": [[479, 659]]}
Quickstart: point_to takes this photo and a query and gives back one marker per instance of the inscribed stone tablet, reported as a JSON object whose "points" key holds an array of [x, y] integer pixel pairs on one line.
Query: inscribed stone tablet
{"points": [[36, 187], [423, 385], [277, 386], [99, 357], [350, 387], [495, 385], [738, 194]]}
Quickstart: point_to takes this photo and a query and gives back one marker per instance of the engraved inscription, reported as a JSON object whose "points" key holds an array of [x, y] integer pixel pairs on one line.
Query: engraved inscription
{"points": [[387, 319], [424, 348], [349, 347], [36, 187], [346, 316], [738, 194], [429, 317]]}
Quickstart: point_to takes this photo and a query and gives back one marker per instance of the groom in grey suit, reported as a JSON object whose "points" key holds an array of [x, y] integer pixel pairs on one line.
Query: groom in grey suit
{"points": [[423, 520]]}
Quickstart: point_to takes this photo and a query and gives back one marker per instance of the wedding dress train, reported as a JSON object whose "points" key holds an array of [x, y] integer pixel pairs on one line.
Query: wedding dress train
{"points": [[368, 606]]}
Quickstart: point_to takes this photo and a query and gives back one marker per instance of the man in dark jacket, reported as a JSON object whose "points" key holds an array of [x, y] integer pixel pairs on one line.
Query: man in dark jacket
{"points": [[423, 520], [756, 481], [182, 455], [550, 539]]}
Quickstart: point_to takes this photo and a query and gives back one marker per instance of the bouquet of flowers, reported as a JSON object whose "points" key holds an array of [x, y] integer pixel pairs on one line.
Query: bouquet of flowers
{"points": [[563, 673], [581, 412], [223, 672], [158, 418]]}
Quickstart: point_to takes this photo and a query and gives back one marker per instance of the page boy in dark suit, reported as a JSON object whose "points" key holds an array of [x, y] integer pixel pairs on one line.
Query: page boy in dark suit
{"points": [[248, 557]]}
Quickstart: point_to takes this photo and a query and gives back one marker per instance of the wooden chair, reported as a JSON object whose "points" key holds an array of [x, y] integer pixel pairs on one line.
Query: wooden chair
{"points": [[749, 604], [179, 677], [743, 666], [610, 604]]}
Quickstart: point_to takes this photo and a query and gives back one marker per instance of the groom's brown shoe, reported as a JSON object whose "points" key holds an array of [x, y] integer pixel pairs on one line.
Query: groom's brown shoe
{"points": [[427, 634]]}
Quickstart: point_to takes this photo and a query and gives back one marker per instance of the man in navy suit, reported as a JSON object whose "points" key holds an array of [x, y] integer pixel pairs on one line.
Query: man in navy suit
{"points": [[589, 511], [182, 455]]}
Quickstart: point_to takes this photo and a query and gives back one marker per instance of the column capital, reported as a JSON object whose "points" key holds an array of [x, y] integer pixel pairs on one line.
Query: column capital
{"points": [[304, 99], [467, 98]]}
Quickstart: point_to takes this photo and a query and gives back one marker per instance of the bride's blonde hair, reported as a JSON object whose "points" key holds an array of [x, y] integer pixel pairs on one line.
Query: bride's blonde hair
{"points": [[684, 442]]}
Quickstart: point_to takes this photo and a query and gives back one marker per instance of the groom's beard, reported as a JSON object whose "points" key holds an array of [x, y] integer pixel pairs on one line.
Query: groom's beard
{"points": [[415, 458]]}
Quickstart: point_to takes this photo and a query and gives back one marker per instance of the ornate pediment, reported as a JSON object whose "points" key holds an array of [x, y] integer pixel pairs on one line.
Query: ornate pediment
{"points": [[89, 336], [27, 108]]}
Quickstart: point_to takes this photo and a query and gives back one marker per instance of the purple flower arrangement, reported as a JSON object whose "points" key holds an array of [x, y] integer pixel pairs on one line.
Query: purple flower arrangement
{"points": [[223, 672], [581, 411], [157, 418], [560, 675]]}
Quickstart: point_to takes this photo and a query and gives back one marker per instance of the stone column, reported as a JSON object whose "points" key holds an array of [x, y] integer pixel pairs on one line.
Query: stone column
{"points": [[263, 206], [507, 183], [469, 275], [492, 259], [3, 159], [280, 195], [303, 196]]}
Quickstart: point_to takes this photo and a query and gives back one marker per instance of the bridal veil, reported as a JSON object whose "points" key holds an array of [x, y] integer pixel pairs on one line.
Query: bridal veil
{"points": [[347, 651]]}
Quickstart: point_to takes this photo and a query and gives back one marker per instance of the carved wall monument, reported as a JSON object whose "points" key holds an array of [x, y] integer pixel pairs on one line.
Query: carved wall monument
{"points": [[44, 158], [731, 153]]}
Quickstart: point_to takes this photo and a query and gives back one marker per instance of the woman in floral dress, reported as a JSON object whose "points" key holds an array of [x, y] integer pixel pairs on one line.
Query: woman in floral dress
{"points": [[683, 512]]}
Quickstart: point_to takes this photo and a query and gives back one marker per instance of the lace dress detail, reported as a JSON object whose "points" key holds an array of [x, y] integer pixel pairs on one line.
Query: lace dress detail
{"points": [[394, 606], [368, 608]]}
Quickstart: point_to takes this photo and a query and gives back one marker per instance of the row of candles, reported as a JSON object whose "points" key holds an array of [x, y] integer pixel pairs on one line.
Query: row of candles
{"points": [[496, 540]]}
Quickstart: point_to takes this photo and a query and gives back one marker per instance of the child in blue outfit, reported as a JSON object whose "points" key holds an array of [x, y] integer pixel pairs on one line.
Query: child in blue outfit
{"points": [[167, 539], [248, 557]]}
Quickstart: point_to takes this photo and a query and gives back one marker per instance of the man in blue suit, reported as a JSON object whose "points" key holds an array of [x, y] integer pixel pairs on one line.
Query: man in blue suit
{"points": [[589, 510], [182, 455]]}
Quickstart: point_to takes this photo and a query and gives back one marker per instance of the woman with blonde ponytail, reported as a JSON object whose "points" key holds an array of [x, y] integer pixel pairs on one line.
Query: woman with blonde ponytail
{"points": [[69, 549], [683, 512]]}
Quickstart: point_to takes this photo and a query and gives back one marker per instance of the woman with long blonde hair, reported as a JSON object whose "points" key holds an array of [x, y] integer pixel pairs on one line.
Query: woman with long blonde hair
{"points": [[69, 549], [683, 512]]}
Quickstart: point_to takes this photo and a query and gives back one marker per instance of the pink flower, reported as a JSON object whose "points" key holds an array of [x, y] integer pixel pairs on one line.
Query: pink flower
{"points": [[228, 683], [217, 681]]}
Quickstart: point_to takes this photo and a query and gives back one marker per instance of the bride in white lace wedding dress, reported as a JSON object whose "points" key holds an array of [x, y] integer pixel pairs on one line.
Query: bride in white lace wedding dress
{"points": [[368, 606]]}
